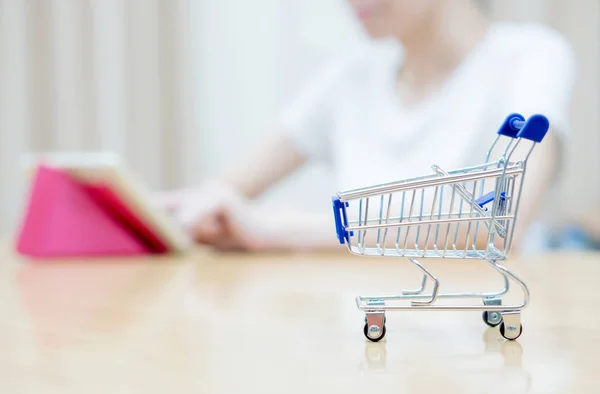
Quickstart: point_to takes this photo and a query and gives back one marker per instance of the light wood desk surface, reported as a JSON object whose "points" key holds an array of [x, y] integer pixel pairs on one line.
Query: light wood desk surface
{"points": [[212, 323]]}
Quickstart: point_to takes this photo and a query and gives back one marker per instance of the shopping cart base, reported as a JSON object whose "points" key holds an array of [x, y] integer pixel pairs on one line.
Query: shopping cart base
{"points": [[494, 313], [509, 322]]}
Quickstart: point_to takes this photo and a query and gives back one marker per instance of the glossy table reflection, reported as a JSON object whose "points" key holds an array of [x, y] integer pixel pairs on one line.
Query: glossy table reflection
{"points": [[210, 323]]}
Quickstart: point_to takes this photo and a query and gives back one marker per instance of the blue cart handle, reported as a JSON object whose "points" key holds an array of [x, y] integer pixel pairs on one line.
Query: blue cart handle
{"points": [[341, 220], [533, 129]]}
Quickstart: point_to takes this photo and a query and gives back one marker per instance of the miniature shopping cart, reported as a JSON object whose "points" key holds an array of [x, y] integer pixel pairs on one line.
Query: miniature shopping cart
{"points": [[468, 213]]}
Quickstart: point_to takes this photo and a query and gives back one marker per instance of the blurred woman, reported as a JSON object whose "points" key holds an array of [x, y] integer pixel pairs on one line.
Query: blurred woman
{"points": [[433, 86]]}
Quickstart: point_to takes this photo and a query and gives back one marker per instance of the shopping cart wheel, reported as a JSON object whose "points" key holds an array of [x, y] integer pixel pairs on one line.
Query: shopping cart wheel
{"points": [[511, 334], [374, 328], [374, 333], [492, 319]]}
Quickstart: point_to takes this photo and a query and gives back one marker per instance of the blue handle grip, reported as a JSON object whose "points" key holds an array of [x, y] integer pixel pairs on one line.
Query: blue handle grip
{"points": [[535, 128], [341, 221], [511, 126]]}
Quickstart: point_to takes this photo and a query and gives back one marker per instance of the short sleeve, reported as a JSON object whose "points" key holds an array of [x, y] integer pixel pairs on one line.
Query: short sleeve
{"points": [[307, 120]]}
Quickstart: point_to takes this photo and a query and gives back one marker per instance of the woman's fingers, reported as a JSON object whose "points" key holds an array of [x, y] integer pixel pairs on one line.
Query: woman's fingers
{"points": [[222, 230], [209, 230], [230, 224]]}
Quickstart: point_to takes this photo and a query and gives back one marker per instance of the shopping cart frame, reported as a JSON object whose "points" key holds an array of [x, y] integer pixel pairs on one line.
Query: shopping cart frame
{"points": [[499, 222]]}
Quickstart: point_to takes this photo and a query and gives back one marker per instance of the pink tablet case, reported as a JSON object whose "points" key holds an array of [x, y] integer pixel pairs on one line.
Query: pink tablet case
{"points": [[66, 218]]}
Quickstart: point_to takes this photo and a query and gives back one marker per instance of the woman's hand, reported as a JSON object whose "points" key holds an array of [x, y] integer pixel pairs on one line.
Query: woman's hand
{"points": [[236, 227], [216, 215]]}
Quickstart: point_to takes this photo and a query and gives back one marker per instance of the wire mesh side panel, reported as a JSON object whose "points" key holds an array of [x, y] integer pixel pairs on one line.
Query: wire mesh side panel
{"points": [[471, 217]]}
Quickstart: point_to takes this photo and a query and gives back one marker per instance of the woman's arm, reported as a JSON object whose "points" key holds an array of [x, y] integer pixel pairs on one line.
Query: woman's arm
{"points": [[273, 161]]}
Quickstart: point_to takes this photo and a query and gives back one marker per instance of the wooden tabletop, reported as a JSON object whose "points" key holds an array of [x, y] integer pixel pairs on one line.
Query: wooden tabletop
{"points": [[211, 323]]}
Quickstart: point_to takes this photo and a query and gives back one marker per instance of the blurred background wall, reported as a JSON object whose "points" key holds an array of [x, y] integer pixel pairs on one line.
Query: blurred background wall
{"points": [[181, 88]]}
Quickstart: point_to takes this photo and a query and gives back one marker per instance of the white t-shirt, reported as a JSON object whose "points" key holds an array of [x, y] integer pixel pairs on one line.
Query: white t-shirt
{"points": [[350, 116]]}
